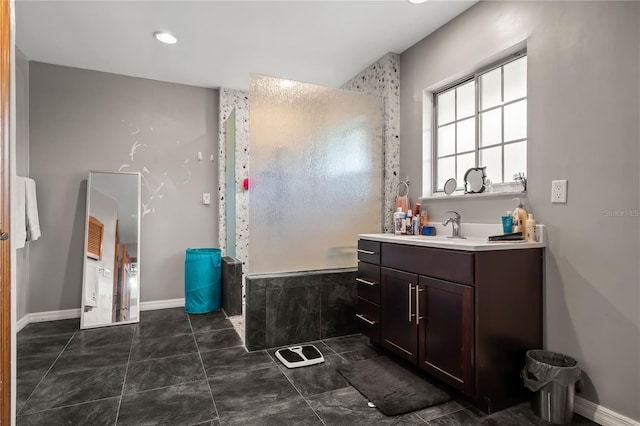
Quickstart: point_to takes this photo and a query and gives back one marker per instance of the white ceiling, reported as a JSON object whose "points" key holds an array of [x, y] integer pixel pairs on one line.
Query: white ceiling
{"points": [[221, 42]]}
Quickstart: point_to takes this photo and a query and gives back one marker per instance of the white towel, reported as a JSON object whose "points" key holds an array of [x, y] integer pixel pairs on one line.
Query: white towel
{"points": [[31, 208], [20, 224]]}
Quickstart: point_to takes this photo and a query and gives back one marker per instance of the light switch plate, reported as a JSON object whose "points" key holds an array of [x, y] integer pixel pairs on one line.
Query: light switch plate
{"points": [[206, 198], [559, 191]]}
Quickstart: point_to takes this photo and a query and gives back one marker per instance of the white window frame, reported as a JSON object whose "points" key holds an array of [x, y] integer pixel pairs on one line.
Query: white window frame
{"points": [[432, 159]]}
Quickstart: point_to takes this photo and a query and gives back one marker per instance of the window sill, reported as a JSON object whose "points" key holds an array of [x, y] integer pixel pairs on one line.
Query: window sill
{"points": [[481, 195]]}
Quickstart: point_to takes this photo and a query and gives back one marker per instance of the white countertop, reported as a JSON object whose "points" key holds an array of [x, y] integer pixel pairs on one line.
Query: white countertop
{"points": [[476, 238]]}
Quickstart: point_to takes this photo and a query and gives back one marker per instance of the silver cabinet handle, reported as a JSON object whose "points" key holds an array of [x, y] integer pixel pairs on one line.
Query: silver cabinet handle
{"points": [[366, 251], [360, 280], [418, 317], [410, 314], [366, 320]]}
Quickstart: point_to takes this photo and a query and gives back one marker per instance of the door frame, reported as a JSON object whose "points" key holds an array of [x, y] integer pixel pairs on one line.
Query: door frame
{"points": [[5, 249]]}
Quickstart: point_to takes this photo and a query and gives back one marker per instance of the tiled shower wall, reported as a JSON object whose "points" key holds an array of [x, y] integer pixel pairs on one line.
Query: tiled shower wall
{"points": [[238, 99], [300, 307]]}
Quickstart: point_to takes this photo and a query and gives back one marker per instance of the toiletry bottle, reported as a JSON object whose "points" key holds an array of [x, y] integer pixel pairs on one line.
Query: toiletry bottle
{"points": [[415, 226], [398, 219], [531, 229], [507, 223], [424, 218], [519, 218], [403, 224], [409, 223]]}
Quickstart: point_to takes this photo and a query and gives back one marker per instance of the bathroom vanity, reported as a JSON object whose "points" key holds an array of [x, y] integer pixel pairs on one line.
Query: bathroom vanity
{"points": [[463, 311]]}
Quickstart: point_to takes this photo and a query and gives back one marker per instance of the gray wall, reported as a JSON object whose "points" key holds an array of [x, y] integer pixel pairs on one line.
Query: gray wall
{"points": [[584, 87], [84, 120], [22, 169]]}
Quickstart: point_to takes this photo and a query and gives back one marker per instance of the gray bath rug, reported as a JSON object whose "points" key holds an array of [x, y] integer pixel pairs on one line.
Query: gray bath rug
{"points": [[391, 387]]}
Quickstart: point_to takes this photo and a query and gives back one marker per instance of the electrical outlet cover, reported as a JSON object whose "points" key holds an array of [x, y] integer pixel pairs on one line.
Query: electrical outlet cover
{"points": [[559, 191]]}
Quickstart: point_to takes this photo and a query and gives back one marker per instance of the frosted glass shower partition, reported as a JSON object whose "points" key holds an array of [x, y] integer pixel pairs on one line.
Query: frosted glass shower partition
{"points": [[316, 175]]}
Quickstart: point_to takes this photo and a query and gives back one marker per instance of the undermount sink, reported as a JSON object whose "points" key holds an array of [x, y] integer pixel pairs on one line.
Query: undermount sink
{"points": [[444, 239], [436, 237]]}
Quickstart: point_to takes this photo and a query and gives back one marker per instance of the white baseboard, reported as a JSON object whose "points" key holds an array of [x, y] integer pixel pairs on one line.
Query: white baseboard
{"points": [[75, 313], [161, 304], [54, 315], [22, 323], [601, 415]]}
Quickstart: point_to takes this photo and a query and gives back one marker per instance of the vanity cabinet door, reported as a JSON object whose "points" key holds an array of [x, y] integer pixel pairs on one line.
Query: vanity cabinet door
{"points": [[398, 325], [445, 332]]}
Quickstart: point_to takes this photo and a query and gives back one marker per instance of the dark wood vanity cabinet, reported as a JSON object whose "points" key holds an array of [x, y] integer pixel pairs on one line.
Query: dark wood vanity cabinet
{"points": [[368, 281], [445, 331], [466, 318], [399, 327]]}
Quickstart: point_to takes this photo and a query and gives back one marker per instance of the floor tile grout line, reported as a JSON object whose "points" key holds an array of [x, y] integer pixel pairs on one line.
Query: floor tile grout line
{"points": [[332, 350], [354, 350], [341, 337], [47, 372], [147, 338], [67, 406], [163, 338], [214, 330], [220, 349], [296, 388], [165, 387], [124, 380], [204, 370], [164, 357]]}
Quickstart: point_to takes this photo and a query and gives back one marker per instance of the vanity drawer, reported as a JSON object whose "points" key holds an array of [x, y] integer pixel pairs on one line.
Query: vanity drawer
{"points": [[368, 279], [369, 251], [368, 315], [450, 265]]}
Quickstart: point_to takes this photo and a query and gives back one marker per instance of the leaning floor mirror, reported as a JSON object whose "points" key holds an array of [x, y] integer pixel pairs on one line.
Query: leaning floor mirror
{"points": [[111, 282]]}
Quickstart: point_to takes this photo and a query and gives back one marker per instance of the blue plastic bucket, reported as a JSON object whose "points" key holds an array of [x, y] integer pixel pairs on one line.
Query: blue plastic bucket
{"points": [[202, 276]]}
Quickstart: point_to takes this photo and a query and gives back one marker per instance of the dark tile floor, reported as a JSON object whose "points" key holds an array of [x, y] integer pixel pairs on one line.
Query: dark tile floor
{"points": [[179, 369]]}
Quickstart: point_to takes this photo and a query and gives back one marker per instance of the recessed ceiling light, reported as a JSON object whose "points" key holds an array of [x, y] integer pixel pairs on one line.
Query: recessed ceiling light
{"points": [[165, 37], [417, 1]]}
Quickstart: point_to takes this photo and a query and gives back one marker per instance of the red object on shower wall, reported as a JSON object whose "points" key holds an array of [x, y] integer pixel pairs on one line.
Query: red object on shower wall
{"points": [[245, 184]]}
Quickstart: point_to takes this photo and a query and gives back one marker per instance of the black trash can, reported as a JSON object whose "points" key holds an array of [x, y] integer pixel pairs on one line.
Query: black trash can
{"points": [[552, 377], [202, 280]]}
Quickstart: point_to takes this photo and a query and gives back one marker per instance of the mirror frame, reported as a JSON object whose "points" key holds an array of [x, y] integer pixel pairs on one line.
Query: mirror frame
{"points": [[83, 326]]}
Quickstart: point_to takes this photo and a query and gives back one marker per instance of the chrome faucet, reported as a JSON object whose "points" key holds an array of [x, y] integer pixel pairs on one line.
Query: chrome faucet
{"points": [[455, 224]]}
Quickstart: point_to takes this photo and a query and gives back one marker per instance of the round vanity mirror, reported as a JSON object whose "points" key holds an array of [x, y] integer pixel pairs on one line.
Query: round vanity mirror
{"points": [[449, 186], [474, 180]]}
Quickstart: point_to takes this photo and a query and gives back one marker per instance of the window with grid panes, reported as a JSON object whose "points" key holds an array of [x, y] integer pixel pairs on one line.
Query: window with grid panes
{"points": [[482, 122]]}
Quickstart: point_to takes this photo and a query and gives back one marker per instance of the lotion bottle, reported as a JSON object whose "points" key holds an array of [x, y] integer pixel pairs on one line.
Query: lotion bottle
{"points": [[531, 229], [519, 218], [403, 223], [398, 220], [409, 223]]}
